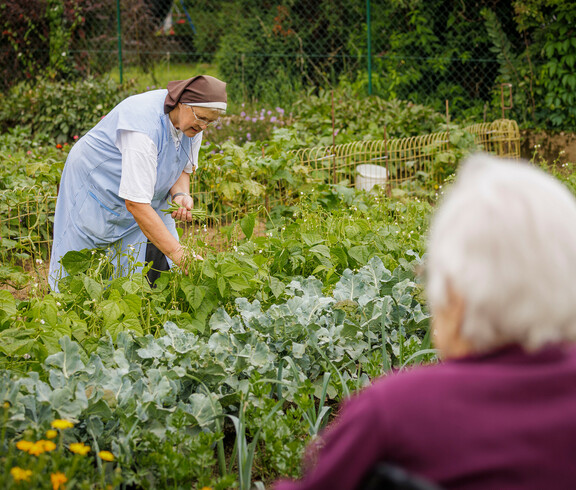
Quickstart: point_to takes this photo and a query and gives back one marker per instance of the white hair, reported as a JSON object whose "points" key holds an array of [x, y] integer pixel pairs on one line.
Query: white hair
{"points": [[504, 239]]}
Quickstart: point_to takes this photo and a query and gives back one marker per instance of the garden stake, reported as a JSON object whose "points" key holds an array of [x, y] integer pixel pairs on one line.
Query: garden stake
{"points": [[504, 106], [389, 185]]}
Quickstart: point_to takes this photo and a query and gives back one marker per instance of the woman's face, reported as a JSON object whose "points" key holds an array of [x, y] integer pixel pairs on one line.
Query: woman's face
{"points": [[193, 120]]}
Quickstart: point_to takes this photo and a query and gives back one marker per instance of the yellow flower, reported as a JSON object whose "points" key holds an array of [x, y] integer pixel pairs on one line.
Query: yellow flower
{"points": [[48, 445], [6, 405], [40, 447], [24, 445], [51, 434], [206, 488], [62, 424], [106, 455], [58, 479], [20, 475], [79, 448]]}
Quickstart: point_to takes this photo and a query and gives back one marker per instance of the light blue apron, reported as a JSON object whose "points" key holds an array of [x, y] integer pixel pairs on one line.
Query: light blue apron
{"points": [[89, 212]]}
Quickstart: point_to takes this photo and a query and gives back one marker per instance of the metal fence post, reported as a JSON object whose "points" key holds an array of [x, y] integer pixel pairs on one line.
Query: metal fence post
{"points": [[369, 43], [120, 67]]}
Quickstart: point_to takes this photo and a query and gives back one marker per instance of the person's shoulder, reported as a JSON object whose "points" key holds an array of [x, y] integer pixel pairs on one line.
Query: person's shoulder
{"points": [[143, 100]]}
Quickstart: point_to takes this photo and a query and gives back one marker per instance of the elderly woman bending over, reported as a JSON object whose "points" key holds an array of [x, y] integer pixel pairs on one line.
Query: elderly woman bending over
{"points": [[119, 176], [500, 411]]}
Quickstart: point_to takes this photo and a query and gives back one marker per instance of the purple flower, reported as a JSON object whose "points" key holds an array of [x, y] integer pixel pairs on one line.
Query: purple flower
{"points": [[248, 136], [254, 119], [242, 114], [280, 110], [269, 112], [336, 131], [273, 119], [261, 118], [248, 118]]}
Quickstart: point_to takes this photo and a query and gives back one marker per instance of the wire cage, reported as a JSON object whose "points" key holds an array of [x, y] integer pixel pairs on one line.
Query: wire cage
{"points": [[26, 222], [405, 163]]}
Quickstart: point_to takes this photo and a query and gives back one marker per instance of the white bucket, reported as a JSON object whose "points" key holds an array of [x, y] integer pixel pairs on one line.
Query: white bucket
{"points": [[370, 175]]}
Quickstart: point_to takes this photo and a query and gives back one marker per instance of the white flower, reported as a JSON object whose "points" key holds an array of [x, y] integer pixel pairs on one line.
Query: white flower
{"points": [[42, 321], [58, 303], [39, 261]]}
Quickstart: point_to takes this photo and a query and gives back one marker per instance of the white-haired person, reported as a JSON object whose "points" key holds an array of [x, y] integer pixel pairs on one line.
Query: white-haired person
{"points": [[119, 176], [499, 411]]}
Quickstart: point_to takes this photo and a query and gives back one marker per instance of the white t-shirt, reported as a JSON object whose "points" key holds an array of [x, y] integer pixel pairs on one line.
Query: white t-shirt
{"points": [[139, 162]]}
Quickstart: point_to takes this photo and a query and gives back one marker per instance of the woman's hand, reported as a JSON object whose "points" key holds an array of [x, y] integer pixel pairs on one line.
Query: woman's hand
{"points": [[181, 257], [186, 203]]}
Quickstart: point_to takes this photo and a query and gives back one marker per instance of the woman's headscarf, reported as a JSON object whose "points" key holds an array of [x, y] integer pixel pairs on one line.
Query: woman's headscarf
{"points": [[201, 91]]}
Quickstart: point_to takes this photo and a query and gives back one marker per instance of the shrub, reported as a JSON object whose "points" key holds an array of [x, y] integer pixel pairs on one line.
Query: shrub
{"points": [[60, 110]]}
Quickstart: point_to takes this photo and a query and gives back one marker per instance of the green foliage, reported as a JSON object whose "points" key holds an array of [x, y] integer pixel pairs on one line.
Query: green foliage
{"points": [[160, 404], [541, 69], [59, 111], [557, 80], [240, 61], [218, 377], [357, 117]]}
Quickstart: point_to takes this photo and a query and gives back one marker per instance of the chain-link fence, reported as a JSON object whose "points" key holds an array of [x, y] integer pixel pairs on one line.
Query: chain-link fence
{"points": [[424, 51]]}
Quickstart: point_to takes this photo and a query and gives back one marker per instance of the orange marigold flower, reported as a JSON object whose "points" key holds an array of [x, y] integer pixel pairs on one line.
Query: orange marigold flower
{"points": [[41, 447], [79, 448], [20, 474], [106, 455], [48, 445], [51, 434], [59, 146], [58, 479], [62, 424], [24, 445]]}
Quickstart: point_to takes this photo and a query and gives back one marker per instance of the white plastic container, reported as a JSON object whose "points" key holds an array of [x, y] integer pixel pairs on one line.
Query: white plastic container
{"points": [[370, 175]]}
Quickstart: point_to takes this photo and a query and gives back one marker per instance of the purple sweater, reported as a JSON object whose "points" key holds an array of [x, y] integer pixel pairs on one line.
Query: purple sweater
{"points": [[506, 420]]}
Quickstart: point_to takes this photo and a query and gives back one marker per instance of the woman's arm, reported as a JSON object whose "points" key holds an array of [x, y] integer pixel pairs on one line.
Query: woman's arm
{"points": [[153, 227]]}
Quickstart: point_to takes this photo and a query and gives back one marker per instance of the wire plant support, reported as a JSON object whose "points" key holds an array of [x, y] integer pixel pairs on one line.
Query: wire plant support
{"points": [[26, 227]]}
